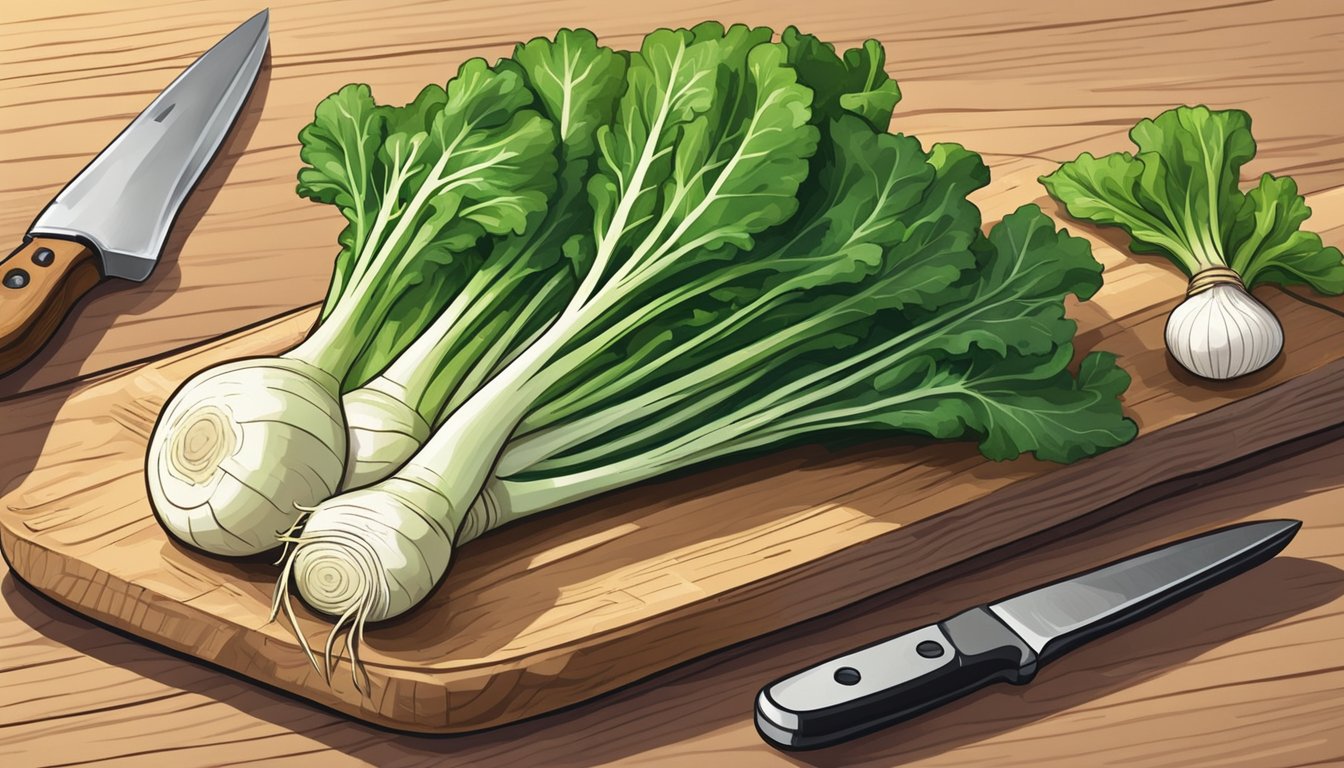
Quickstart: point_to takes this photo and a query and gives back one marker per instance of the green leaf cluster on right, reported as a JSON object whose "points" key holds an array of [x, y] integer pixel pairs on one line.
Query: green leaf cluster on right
{"points": [[1179, 196]]}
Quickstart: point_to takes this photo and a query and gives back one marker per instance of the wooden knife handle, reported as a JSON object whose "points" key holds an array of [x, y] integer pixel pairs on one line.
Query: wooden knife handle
{"points": [[39, 284]]}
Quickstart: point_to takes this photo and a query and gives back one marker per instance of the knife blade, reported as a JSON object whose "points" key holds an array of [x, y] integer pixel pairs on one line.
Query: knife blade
{"points": [[900, 677], [112, 219]]}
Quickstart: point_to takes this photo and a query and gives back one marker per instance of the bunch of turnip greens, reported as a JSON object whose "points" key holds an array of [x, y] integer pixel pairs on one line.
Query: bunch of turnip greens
{"points": [[651, 259]]}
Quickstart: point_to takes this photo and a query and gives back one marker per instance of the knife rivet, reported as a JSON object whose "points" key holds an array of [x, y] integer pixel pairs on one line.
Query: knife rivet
{"points": [[847, 676], [16, 278], [929, 649], [43, 257]]}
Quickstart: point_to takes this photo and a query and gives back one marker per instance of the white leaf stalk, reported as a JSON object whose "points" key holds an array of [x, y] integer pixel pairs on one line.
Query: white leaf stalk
{"points": [[242, 448], [1220, 331], [491, 320], [524, 282]]}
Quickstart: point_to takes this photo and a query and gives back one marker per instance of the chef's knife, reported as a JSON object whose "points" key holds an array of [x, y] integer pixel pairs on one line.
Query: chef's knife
{"points": [[112, 219], [901, 677]]}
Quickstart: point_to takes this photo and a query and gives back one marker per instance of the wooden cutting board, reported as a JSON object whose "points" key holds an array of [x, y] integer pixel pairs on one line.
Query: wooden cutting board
{"points": [[586, 599], [583, 600]]}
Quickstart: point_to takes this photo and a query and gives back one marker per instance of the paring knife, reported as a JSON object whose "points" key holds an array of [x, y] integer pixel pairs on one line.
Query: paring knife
{"points": [[112, 219], [901, 677]]}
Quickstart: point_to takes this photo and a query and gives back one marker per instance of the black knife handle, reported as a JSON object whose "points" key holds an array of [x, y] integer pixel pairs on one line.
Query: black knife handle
{"points": [[891, 680]]}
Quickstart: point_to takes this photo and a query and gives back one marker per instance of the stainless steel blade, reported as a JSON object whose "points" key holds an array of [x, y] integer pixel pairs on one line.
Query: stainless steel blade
{"points": [[1053, 618], [124, 202]]}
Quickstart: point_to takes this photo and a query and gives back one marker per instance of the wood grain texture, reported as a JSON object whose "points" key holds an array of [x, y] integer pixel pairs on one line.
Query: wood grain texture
{"points": [[1244, 675], [48, 276], [1028, 86]]}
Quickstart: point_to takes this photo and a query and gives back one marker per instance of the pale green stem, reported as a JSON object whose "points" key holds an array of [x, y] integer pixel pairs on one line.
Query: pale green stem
{"points": [[505, 349], [523, 497], [811, 388], [469, 441]]}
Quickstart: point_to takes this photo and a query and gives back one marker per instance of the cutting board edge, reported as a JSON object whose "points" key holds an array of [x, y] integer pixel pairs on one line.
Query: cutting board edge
{"points": [[100, 375], [1297, 399]]}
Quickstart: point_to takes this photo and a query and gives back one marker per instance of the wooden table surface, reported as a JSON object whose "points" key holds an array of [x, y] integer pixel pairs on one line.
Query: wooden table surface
{"points": [[1247, 674]]}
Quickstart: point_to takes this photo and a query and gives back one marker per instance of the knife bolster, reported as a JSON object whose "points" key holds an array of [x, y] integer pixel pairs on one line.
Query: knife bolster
{"points": [[986, 642]]}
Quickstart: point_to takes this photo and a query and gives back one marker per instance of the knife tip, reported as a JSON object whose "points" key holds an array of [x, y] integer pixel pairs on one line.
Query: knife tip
{"points": [[1284, 529]]}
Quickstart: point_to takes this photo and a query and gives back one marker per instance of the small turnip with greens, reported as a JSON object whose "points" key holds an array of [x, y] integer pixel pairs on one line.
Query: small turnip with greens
{"points": [[1179, 196]]}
